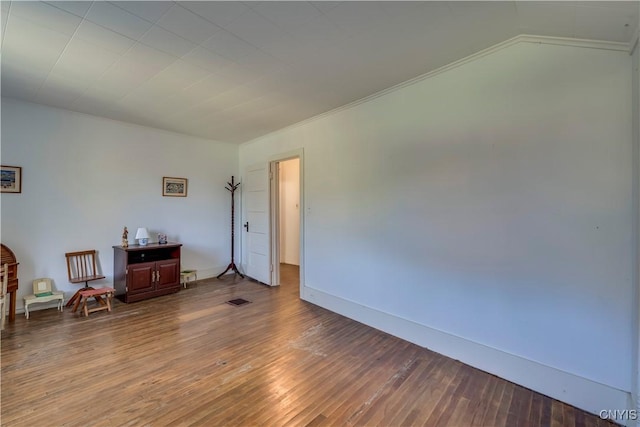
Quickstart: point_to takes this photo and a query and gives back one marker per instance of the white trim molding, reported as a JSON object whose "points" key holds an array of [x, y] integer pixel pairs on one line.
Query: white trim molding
{"points": [[581, 392], [297, 153], [522, 38]]}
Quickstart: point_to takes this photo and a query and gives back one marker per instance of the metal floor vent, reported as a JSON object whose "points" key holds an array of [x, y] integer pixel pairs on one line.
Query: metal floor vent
{"points": [[238, 301]]}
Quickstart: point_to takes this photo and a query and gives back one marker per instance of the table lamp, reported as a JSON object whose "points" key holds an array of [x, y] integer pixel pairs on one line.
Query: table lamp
{"points": [[142, 235]]}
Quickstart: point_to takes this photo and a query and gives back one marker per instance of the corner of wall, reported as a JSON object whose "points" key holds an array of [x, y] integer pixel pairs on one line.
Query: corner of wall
{"points": [[578, 391], [635, 53]]}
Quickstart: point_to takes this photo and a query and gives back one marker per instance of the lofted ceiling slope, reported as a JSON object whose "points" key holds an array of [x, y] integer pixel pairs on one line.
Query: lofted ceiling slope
{"points": [[233, 71]]}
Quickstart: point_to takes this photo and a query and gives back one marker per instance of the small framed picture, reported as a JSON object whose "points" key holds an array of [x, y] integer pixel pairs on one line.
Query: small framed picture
{"points": [[11, 177], [174, 187]]}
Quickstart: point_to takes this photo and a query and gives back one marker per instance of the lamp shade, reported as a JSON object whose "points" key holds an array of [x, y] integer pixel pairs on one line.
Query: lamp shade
{"points": [[142, 233], [143, 236]]}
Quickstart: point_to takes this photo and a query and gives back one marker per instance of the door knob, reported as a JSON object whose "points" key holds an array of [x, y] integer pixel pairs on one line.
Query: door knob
{"points": [[246, 225]]}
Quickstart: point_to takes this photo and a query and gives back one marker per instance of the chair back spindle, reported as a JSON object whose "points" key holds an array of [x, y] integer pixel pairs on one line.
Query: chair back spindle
{"points": [[81, 267]]}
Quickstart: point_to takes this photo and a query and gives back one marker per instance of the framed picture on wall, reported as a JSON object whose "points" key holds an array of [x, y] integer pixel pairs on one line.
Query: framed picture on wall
{"points": [[11, 177], [174, 187]]}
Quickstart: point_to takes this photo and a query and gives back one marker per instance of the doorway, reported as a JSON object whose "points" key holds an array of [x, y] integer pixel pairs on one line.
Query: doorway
{"points": [[286, 224]]}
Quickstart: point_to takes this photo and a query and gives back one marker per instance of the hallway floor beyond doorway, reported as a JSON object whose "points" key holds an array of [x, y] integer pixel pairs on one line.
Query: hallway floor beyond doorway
{"points": [[290, 277]]}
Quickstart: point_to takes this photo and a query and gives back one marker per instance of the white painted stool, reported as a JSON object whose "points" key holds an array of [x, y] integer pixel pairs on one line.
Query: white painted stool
{"points": [[186, 275], [42, 292]]}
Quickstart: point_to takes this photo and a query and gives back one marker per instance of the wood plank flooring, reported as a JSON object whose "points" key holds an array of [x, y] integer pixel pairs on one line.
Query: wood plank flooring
{"points": [[191, 359]]}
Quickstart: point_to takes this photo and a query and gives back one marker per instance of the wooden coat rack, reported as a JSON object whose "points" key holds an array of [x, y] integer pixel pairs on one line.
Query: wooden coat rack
{"points": [[231, 186]]}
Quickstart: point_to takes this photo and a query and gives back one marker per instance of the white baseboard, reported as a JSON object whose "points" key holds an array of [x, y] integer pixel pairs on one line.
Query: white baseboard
{"points": [[206, 273], [209, 273], [580, 392], [42, 306]]}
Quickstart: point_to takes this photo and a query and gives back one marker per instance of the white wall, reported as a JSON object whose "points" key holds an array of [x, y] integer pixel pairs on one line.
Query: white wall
{"points": [[636, 157], [290, 211], [486, 213], [85, 178]]}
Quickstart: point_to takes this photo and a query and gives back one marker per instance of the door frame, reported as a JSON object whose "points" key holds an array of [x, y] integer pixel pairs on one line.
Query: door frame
{"points": [[274, 199]]}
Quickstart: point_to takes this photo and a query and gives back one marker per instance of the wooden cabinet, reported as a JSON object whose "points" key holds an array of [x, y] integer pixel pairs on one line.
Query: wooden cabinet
{"points": [[141, 272], [12, 287]]}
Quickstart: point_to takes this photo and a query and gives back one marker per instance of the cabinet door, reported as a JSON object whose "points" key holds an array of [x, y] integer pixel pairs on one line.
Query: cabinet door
{"points": [[168, 275], [139, 277]]}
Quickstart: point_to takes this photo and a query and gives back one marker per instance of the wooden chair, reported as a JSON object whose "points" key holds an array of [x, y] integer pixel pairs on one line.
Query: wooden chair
{"points": [[81, 268], [43, 292], [97, 294], [4, 273]]}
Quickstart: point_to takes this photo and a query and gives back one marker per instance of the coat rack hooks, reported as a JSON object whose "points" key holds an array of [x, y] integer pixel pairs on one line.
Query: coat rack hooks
{"points": [[231, 187]]}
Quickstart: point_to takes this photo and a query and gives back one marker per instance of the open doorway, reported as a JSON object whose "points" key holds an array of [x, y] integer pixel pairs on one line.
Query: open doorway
{"points": [[287, 224]]}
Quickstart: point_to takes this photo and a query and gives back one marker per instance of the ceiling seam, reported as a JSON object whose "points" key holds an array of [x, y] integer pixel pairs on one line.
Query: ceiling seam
{"points": [[61, 53], [121, 55], [230, 32]]}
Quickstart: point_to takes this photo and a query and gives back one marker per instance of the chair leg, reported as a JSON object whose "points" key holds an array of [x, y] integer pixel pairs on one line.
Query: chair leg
{"points": [[99, 300], [26, 310], [84, 306], [76, 296], [77, 303]]}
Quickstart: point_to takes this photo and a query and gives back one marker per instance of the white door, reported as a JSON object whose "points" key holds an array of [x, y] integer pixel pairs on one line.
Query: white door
{"points": [[256, 223]]}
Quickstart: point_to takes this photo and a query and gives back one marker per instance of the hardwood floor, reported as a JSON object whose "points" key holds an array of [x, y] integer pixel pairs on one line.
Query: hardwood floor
{"points": [[192, 359]]}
